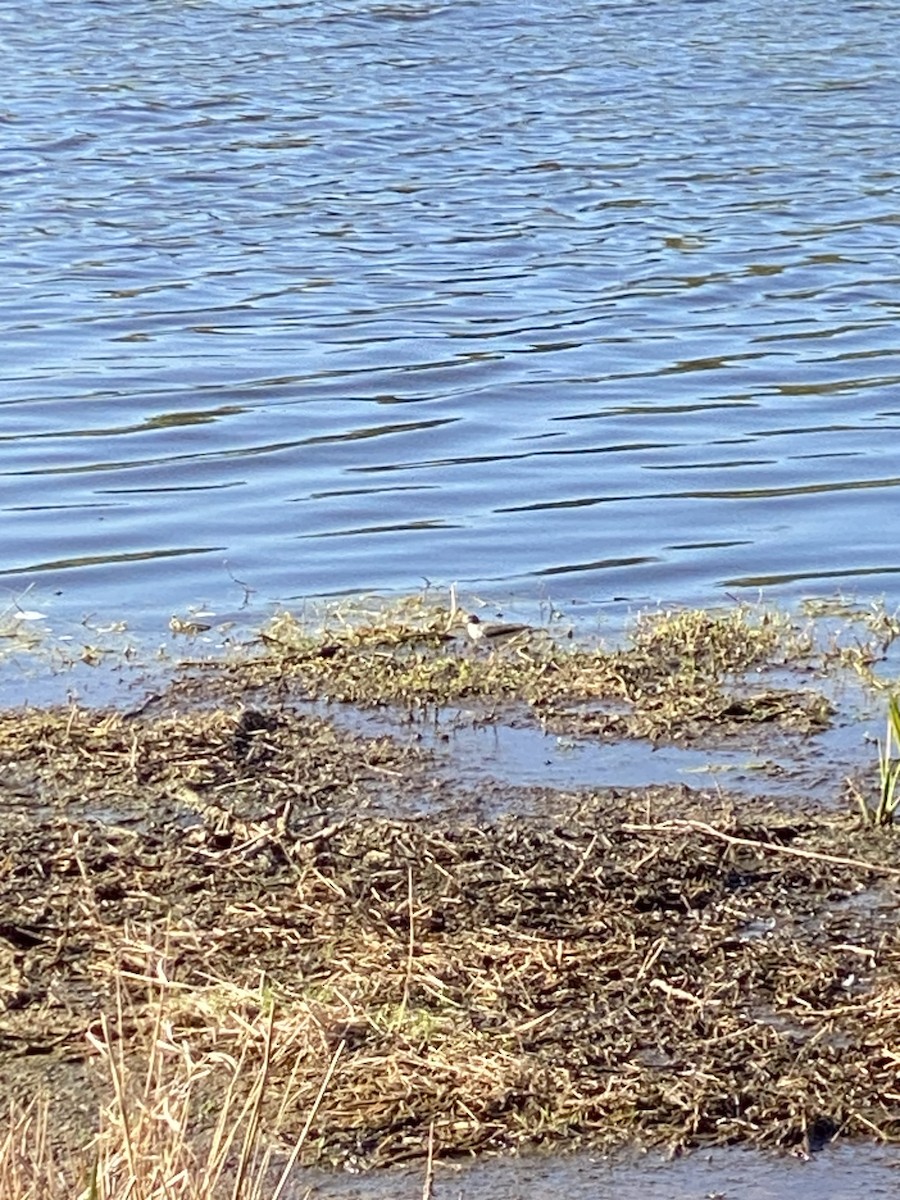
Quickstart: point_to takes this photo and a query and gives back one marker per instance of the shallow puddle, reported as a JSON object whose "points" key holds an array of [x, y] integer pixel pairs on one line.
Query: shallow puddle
{"points": [[523, 755], [840, 1172]]}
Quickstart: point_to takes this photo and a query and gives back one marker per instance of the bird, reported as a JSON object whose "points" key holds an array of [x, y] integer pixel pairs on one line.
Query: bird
{"points": [[493, 635]]}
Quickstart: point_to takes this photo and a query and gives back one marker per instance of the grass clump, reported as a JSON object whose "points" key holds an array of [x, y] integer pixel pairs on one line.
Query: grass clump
{"points": [[677, 673], [882, 812], [177, 1122]]}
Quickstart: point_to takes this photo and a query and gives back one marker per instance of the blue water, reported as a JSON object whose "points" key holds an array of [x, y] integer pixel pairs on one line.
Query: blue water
{"points": [[597, 301]]}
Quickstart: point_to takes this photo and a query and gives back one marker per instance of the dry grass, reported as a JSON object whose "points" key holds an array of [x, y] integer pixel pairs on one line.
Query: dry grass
{"points": [[157, 1137]]}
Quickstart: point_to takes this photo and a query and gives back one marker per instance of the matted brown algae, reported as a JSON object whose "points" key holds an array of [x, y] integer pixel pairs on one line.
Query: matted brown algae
{"points": [[593, 968]]}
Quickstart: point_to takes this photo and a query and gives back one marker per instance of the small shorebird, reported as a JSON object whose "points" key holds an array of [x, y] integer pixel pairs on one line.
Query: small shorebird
{"points": [[493, 635]]}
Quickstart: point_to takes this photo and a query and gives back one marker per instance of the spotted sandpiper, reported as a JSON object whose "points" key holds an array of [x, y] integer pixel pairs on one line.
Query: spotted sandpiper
{"points": [[493, 635]]}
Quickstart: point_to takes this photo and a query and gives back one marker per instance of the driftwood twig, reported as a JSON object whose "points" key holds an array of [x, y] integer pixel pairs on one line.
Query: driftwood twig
{"points": [[683, 825]]}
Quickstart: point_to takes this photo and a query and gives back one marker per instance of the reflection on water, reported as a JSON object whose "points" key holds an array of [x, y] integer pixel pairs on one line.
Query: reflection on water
{"points": [[593, 298]]}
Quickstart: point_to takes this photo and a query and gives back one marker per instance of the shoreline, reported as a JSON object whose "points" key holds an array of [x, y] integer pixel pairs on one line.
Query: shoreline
{"points": [[501, 967]]}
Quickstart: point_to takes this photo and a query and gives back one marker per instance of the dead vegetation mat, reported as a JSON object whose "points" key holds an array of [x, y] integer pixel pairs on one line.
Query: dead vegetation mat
{"points": [[660, 967], [687, 675]]}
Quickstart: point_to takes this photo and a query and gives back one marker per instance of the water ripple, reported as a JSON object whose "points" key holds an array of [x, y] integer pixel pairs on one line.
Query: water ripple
{"points": [[606, 250]]}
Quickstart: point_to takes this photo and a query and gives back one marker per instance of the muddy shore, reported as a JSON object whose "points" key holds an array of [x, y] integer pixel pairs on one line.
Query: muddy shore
{"points": [[590, 968]]}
